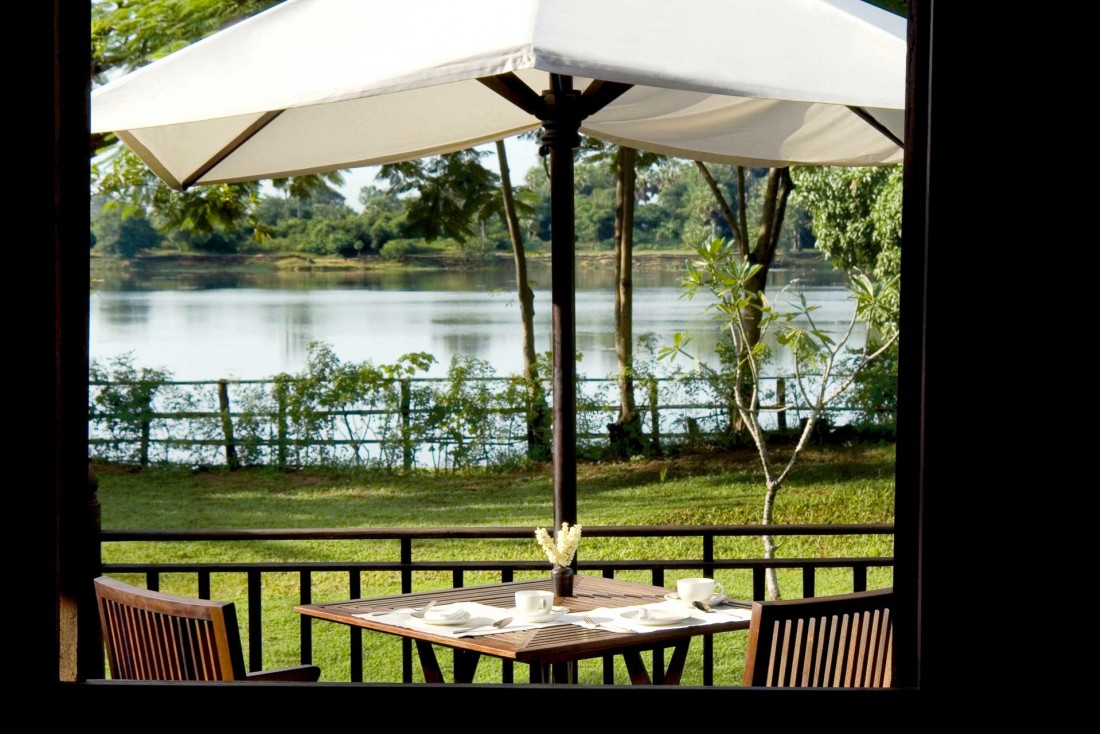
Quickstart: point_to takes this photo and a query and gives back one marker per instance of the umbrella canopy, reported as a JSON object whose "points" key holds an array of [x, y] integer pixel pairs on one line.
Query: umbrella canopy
{"points": [[317, 85]]}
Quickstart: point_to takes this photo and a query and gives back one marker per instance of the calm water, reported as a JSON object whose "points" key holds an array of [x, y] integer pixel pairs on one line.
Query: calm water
{"points": [[203, 326]]}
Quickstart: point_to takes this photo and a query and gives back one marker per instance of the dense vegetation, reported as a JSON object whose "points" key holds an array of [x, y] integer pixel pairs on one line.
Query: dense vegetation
{"points": [[674, 207]]}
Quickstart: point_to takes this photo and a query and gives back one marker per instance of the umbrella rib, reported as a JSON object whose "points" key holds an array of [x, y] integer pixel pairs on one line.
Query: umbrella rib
{"points": [[247, 134], [513, 89], [599, 94], [150, 160], [870, 120]]}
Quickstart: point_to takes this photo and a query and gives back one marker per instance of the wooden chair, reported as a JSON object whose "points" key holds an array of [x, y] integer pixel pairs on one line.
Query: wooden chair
{"points": [[843, 641], [154, 636]]}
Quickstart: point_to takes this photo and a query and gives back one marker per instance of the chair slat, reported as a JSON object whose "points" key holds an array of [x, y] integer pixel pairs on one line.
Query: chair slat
{"points": [[839, 641]]}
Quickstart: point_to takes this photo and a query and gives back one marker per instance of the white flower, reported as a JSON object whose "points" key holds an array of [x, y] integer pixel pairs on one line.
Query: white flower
{"points": [[561, 553]]}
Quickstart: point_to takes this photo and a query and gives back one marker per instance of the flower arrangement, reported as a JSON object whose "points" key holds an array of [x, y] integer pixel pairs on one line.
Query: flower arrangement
{"points": [[560, 552]]}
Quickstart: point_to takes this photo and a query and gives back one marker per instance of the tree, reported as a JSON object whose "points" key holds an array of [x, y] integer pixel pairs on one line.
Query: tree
{"points": [[306, 188], [856, 215], [121, 236], [824, 366]]}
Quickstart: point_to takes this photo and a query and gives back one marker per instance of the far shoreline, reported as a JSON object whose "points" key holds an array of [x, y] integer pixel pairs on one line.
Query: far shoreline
{"points": [[169, 262]]}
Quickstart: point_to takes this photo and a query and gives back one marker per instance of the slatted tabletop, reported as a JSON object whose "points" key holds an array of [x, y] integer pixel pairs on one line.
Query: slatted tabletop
{"points": [[540, 647]]}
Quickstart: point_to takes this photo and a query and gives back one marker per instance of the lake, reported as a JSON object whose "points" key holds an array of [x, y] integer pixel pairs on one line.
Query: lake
{"points": [[205, 326]]}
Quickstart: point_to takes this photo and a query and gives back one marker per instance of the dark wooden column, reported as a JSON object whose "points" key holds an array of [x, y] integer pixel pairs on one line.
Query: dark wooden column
{"points": [[78, 653], [560, 137], [916, 328]]}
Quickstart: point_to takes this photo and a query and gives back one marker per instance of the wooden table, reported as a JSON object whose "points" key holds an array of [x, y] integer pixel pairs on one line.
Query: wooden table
{"points": [[550, 651]]}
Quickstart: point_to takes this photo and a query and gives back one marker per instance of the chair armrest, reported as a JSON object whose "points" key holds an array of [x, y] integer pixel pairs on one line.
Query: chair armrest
{"points": [[307, 673]]}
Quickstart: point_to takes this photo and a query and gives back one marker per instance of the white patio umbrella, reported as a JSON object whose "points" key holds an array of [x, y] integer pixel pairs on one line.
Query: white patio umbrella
{"points": [[317, 85]]}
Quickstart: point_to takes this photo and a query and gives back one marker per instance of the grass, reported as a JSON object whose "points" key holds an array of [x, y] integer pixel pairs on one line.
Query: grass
{"points": [[834, 485]]}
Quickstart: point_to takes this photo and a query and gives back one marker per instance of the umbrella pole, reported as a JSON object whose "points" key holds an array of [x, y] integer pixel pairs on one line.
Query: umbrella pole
{"points": [[560, 137], [561, 110]]}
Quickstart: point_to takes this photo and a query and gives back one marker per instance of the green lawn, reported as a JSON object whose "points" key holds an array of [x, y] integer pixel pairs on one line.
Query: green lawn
{"points": [[834, 485]]}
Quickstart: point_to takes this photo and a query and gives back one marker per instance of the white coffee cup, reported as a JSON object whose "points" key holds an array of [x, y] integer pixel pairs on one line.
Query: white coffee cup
{"points": [[700, 589], [531, 602]]}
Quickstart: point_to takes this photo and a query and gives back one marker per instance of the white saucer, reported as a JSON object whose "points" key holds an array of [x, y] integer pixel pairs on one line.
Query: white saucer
{"points": [[713, 601], [458, 617], [654, 617], [553, 614]]}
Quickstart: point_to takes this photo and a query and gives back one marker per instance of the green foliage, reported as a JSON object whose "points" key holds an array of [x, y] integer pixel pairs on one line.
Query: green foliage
{"points": [[856, 215], [450, 193], [397, 249], [478, 249], [355, 404], [122, 236], [128, 35], [874, 394], [461, 422], [122, 403], [721, 272]]}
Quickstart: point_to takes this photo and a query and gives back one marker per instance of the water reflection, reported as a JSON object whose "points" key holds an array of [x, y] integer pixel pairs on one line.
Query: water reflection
{"points": [[255, 325]]}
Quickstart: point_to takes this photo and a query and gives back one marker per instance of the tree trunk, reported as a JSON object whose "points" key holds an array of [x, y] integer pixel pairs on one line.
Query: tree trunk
{"points": [[778, 189], [538, 433], [770, 580], [626, 432]]}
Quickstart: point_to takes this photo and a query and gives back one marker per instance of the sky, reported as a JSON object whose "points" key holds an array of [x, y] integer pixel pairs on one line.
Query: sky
{"points": [[522, 156]]}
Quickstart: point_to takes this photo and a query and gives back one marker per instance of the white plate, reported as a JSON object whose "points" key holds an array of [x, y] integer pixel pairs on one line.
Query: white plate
{"points": [[654, 617], [458, 618], [554, 613], [713, 601]]}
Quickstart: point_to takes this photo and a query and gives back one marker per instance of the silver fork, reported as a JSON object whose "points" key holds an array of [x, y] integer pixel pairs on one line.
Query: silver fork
{"points": [[589, 621]]}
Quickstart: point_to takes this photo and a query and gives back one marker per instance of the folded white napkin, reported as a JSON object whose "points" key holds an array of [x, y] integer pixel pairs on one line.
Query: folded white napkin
{"points": [[678, 614], [481, 617]]}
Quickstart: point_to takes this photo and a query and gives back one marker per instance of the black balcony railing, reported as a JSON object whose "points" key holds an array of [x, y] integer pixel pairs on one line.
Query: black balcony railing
{"points": [[404, 566]]}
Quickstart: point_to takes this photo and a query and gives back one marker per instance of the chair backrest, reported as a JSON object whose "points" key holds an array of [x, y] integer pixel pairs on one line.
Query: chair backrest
{"points": [[843, 641], [154, 636]]}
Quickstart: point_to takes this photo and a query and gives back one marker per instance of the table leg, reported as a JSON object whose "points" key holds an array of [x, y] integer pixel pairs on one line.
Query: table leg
{"points": [[540, 673], [562, 672], [466, 665], [639, 676], [428, 662], [675, 669]]}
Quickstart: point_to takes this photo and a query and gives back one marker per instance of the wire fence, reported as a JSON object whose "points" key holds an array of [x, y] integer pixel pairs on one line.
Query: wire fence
{"points": [[444, 423]]}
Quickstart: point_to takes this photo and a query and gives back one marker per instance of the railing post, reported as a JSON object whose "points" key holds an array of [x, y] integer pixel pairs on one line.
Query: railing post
{"points": [[280, 396], [781, 402], [227, 425], [654, 420], [255, 621], [406, 424], [355, 590]]}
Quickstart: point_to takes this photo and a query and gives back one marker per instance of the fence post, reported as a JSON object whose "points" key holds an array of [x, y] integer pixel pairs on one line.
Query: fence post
{"points": [[145, 416], [406, 424], [654, 419], [227, 425], [781, 402], [280, 396]]}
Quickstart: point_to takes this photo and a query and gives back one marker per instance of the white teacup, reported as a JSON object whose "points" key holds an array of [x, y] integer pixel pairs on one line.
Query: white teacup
{"points": [[531, 602], [700, 589]]}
